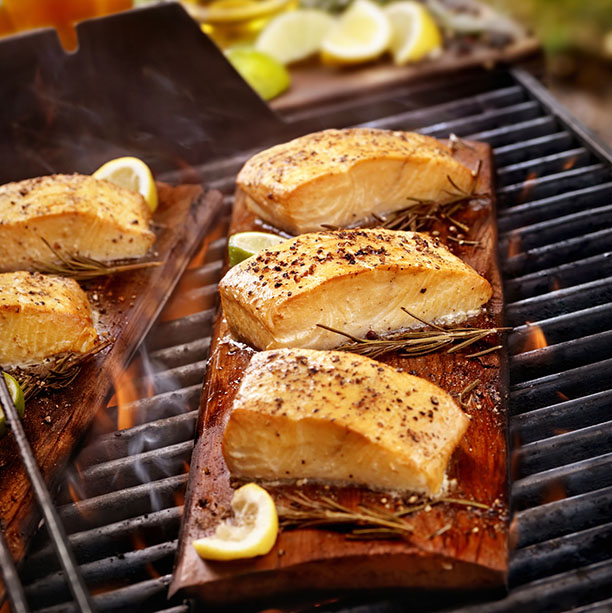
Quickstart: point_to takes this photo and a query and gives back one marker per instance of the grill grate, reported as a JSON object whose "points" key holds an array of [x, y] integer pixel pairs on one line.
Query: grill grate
{"points": [[555, 224]]}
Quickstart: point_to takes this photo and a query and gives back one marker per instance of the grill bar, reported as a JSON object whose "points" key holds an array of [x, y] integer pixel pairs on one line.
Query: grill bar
{"points": [[53, 524]]}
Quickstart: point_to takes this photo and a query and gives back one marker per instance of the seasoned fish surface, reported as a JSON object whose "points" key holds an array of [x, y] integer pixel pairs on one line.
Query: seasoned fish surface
{"points": [[341, 177], [41, 316], [343, 418], [349, 280], [77, 214]]}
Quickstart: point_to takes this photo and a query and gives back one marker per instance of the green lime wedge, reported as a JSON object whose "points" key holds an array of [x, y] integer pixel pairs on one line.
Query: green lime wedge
{"points": [[267, 76], [245, 244], [18, 400]]}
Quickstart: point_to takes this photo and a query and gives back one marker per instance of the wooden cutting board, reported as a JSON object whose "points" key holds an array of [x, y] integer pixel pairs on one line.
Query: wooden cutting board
{"points": [[313, 83], [452, 545], [127, 304]]}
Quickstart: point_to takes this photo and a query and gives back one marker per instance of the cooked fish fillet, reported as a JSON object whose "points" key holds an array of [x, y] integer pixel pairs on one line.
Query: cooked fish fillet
{"points": [[350, 280], [76, 214], [41, 316], [340, 417], [341, 177]]}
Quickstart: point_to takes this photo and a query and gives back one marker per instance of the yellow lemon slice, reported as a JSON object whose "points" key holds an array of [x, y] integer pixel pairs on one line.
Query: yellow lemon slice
{"points": [[251, 532], [415, 34], [296, 35], [362, 33], [131, 173], [267, 76], [245, 244]]}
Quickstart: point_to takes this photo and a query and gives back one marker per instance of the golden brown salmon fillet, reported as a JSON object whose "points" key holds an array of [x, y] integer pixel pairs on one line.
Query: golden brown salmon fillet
{"points": [[41, 316], [77, 214], [342, 177], [339, 417], [349, 280]]}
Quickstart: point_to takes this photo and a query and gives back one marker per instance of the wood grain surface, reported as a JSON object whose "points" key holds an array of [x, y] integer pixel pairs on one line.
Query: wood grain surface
{"points": [[312, 83], [127, 304], [452, 546]]}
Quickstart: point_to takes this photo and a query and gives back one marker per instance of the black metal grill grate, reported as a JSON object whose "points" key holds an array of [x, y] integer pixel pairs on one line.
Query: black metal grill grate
{"points": [[555, 223]]}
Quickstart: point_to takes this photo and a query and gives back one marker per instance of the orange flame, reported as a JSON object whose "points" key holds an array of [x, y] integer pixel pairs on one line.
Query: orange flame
{"points": [[514, 245], [570, 163], [139, 543], [555, 491], [528, 186], [535, 339]]}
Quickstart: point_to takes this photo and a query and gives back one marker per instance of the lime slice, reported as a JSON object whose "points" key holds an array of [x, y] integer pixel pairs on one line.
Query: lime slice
{"points": [[296, 35], [245, 244], [415, 34], [251, 532], [362, 33], [267, 76], [18, 400], [131, 173]]}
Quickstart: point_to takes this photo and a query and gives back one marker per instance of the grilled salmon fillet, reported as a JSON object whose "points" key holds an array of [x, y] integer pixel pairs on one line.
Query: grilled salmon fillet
{"points": [[342, 177], [340, 417], [77, 214], [351, 280], [41, 316]]}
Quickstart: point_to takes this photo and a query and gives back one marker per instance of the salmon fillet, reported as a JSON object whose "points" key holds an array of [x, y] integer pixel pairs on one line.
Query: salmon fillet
{"points": [[342, 177], [41, 316], [343, 418], [350, 280], [77, 214]]}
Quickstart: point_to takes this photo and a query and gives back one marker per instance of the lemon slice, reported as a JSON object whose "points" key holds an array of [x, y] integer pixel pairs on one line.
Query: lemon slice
{"points": [[415, 34], [267, 76], [18, 400], [362, 33], [245, 244], [296, 35], [252, 532], [131, 173]]}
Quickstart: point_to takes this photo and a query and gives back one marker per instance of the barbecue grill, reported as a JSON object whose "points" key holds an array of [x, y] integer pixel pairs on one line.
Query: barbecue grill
{"points": [[121, 501]]}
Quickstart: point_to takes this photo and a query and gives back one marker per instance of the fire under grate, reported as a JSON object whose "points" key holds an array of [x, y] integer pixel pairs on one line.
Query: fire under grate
{"points": [[555, 230]]}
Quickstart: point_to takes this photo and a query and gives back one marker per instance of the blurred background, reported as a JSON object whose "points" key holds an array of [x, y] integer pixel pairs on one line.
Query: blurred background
{"points": [[575, 36]]}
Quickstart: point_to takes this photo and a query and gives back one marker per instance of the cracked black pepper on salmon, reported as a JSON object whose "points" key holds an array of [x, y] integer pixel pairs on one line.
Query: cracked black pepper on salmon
{"points": [[343, 418], [41, 316], [77, 215], [342, 177], [350, 280]]}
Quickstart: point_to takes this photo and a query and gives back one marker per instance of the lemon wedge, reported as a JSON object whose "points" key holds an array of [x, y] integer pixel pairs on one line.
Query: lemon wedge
{"points": [[294, 36], [131, 173], [362, 33], [245, 244], [266, 75], [415, 34], [251, 532]]}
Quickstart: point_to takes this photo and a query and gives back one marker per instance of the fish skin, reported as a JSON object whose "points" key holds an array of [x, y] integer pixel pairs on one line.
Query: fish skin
{"points": [[41, 316], [342, 177], [351, 280], [77, 214], [342, 418]]}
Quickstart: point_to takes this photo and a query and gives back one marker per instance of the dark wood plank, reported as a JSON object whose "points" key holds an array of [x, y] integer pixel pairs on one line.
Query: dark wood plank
{"points": [[472, 550], [128, 305]]}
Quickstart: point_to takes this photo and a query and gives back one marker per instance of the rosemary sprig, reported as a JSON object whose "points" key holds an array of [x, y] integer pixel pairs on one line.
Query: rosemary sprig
{"points": [[464, 394], [82, 268], [364, 522], [417, 342], [55, 374], [420, 214]]}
